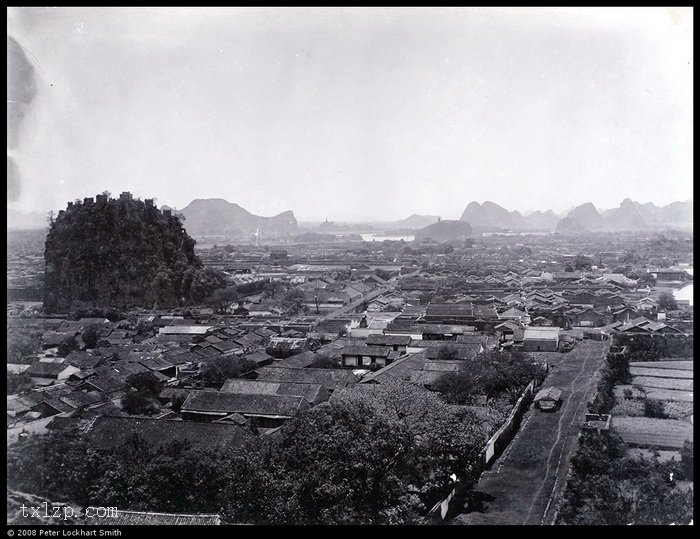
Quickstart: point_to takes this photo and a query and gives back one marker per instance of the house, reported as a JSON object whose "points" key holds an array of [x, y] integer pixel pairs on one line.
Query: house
{"points": [[282, 347], [398, 343], [542, 339], [313, 393], [548, 398], [647, 304], [260, 358], [670, 274], [441, 332], [401, 369], [183, 330], [623, 315], [262, 410], [586, 317], [331, 379], [359, 356], [507, 328], [512, 313], [52, 371], [566, 276], [108, 432], [619, 280]]}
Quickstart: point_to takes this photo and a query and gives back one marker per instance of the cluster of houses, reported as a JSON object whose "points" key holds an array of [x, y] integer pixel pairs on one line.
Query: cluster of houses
{"points": [[369, 317]]}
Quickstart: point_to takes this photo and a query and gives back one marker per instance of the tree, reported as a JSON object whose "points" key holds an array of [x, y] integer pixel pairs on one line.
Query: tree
{"points": [[145, 383], [219, 370], [90, 336], [68, 346], [581, 262], [687, 460], [222, 298], [458, 387], [293, 302], [134, 403], [17, 383], [654, 408], [323, 361], [410, 442], [667, 302]]}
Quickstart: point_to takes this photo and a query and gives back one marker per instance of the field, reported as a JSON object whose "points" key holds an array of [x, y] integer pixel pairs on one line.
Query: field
{"points": [[684, 365], [670, 395], [647, 431], [680, 384], [660, 373]]}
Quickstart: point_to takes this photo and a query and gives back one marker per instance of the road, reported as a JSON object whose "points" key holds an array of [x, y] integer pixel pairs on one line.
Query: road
{"points": [[525, 484]]}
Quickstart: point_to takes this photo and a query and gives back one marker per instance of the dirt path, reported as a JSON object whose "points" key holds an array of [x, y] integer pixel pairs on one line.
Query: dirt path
{"points": [[526, 482]]}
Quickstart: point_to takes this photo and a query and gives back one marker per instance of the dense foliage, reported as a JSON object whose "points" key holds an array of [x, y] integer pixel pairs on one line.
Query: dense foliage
{"points": [[609, 487], [220, 369], [493, 374], [382, 454], [614, 371], [654, 347], [122, 253]]}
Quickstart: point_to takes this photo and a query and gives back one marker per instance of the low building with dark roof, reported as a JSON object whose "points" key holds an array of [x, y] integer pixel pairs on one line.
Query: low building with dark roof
{"points": [[398, 343], [331, 379], [313, 393], [110, 432], [359, 356], [51, 370], [267, 411]]}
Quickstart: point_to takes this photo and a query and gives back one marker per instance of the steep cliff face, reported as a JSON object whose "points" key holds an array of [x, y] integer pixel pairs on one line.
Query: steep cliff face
{"points": [[121, 253]]}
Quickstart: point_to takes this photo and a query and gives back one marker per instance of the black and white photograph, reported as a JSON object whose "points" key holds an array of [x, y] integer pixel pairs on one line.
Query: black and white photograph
{"points": [[341, 266]]}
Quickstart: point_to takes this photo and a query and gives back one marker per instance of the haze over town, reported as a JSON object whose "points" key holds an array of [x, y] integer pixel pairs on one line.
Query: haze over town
{"points": [[354, 114]]}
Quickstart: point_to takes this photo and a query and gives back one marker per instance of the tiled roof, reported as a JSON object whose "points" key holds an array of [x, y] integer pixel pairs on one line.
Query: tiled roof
{"points": [[243, 403], [110, 432]]}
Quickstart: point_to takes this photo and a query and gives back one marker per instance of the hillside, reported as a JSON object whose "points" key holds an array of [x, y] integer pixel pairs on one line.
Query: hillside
{"points": [[445, 231], [121, 253], [569, 226], [415, 221], [218, 216]]}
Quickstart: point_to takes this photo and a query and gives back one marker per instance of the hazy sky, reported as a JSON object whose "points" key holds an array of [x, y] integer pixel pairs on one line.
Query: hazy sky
{"points": [[356, 113]]}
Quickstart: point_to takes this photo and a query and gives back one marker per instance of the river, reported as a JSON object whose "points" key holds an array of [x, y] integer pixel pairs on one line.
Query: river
{"points": [[685, 293]]}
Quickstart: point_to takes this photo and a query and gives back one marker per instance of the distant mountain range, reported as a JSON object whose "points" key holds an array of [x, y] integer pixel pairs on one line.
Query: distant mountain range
{"points": [[629, 216], [492, 216], [217, 216]]}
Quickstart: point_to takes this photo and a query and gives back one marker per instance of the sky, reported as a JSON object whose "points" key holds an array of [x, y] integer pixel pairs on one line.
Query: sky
{"points": [[353, 114]]}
